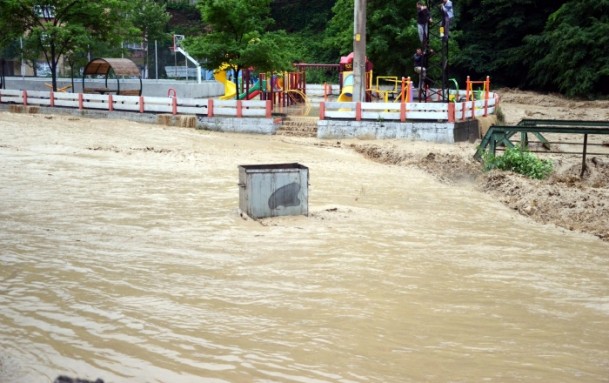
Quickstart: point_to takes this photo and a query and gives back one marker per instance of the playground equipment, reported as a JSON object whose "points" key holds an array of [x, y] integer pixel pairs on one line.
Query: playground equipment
{"points": [[477, 94], [399, 89], [119, 68], [453, 97], [177, 40], [252, 92], [61, 89], [230, 88], [346, 92], [283, 89], [346, 78]]}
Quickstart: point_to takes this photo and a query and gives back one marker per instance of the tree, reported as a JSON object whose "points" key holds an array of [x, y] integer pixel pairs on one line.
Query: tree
{"points": [[296, 16], [239, 37], [392, 36], [339, 34], [571, 54], [492, 36], [391, 33], [151, 19], [55, 28]]}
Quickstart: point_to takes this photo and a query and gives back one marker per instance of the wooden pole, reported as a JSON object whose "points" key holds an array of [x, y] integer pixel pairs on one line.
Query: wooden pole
{"points": [[359, 51]]}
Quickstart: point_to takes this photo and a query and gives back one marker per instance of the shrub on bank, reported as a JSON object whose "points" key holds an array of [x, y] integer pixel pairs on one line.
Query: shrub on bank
{"points": [[519, 160]]}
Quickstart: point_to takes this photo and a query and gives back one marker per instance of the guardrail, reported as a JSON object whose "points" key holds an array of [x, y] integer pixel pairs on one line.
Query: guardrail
{"points": [[366, 111], [501, 135], [141, 104], [395, 111]]}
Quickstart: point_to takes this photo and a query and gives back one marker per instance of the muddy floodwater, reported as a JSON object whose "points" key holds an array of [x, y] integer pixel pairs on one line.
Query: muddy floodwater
{"points": [[123, 257]]}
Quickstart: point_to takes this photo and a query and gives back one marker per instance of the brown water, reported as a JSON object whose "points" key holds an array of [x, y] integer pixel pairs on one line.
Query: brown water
{"points": [[123, 257]]}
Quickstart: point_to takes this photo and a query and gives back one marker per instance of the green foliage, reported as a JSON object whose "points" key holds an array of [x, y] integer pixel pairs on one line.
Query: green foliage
{"points": [[543, 45], [571, 54], [339, 34], [151, 19], [309, 16], [185, 18], [391, 34], [55, 28], [519, 160], [239, 37], [491, 38]]}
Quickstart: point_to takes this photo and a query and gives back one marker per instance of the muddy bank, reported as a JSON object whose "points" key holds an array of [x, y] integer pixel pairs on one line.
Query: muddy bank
{"points": [[564, 199]]}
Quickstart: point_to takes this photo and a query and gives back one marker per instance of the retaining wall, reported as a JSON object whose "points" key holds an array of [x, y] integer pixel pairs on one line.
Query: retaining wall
{"points": [[433, 122], [420, 131], [239, 125], [220, 124], [154, 88]]}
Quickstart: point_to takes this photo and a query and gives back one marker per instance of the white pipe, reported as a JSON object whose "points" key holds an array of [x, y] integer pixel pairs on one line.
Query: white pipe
{"points": [[189, 57]]}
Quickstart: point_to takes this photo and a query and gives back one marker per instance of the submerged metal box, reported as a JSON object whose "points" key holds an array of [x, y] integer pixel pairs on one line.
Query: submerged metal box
{"points": [[274, 190]]}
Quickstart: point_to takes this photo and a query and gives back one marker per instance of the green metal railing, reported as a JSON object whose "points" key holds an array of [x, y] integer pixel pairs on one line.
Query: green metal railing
{"points": [[501, 135]]}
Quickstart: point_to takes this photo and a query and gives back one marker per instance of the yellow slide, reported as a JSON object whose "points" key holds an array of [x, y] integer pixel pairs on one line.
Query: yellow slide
{"points": [[346, 94], [230, 89]]}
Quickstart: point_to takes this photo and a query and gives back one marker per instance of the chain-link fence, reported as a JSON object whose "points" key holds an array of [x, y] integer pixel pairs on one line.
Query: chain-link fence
{"points": [[156, 60]]}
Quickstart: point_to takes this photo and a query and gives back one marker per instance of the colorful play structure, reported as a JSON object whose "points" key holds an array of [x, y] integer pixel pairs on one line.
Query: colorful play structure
{"points": [[346, 79], [393, 106], [283, 89], [288, 88]]}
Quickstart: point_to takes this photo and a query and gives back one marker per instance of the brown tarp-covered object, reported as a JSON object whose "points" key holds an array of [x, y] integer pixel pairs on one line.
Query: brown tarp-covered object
{"points": [[119, 66]]}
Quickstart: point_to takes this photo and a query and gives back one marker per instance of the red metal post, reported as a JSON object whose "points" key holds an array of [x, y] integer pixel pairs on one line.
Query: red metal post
{"points": [[487, 87], [210, 107], [269, 108], [358, 111], [80, 101], [239, 108], [51, 99], [403, 110], [110, 103], [451, 112], [174, 105], [141, 104], [322, 110], [24, 97]]}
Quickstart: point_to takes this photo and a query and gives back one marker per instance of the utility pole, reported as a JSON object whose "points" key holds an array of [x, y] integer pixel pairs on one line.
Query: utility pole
{"points": [[359, 51]]}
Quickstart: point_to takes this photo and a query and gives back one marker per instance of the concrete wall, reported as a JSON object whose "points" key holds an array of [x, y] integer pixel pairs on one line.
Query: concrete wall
{"points": [[220, 124], [239, 125], [443, 132], [116, 115], [420, 131], [155, 88], [467, 130]]}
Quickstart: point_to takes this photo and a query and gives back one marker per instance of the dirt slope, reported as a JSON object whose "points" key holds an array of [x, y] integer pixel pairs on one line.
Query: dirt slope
{"points": [[565, 199]]}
